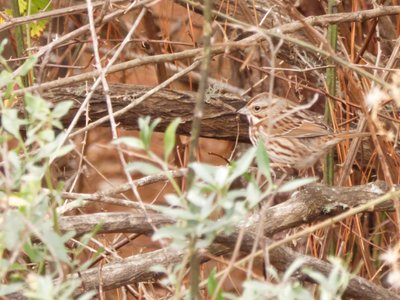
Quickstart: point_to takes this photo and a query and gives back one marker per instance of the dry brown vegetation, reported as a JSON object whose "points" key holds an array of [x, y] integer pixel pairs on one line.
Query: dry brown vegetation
{"points": [[256, 46]]}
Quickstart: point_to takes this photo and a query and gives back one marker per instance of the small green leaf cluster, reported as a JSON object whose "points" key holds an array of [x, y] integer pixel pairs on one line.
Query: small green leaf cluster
{"points": [[286, 287], [211, 205], [143, 143], [33, 127], [31, 7], [9, 79], [211, 194], [333, 285], [212, 285], [33, 252]]}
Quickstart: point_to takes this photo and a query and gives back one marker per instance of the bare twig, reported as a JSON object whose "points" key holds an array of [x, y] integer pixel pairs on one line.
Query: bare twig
{"points": [[12, 22], [80, 31], [139, 100], [105, 196]]}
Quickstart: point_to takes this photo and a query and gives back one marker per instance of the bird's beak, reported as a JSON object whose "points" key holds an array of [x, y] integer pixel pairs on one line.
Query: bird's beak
{"points": [[243, 111]]}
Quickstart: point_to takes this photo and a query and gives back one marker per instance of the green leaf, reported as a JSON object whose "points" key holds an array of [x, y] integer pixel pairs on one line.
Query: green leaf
{"points": [[316, 276], [294, 266], [146, 130], [23, 6], [38, 27], [47, 135], [12, 228], [88, 295], [212, 284], [203, 171], [53, 150], [221, 176], [159, 269], [6, 289], [15, 162], [295, 184], [3, 43], [173, 200], [35, 7], [27, 65], [37, 107], [34, 252], [243, 164], [253, 194], [178, 234], [143, 167], [61, 152], [263, 160], [131, 142], [55, 242], [5, 78], [11, 122], [61, 109], [175, 213], [169, 138]]}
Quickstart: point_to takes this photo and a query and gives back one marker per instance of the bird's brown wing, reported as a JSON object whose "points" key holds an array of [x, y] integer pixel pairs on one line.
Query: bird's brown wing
{"points": [[301, 124]]}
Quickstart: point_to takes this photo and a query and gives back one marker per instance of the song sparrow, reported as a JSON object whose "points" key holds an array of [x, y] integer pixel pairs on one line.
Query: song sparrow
{"points": [[293, 136]]}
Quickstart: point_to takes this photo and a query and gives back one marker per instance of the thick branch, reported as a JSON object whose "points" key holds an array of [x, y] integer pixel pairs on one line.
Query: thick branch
{"points": [[137, 269], [318, 202], [113, 222], [133, 269], [313, 203], [310, 204], [282, 257], [220, 120]]}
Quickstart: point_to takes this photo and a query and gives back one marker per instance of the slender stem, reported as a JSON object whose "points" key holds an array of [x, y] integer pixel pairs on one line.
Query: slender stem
{"points": [[19, 36], [194, 269], [195, 133], [331, 85], [198, 110]]}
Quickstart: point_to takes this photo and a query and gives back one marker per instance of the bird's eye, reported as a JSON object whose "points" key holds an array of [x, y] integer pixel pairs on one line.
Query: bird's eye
{"points": [[257, 108]]}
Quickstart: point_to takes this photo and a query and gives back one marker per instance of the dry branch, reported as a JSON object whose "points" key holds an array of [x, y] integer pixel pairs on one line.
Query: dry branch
{"points": [[312, 203], [133, 269], [286, 53], [219, 121], [113, 222], [282, 257], [317, 202], [141, 61], [104, 196], [261, 9], [137, 269], [70, 10], [244, 13], [77, 32]]}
